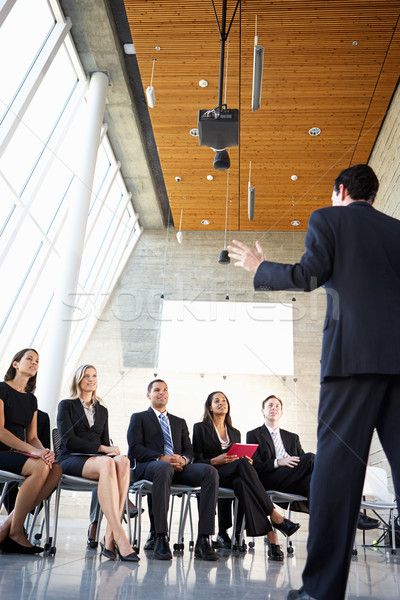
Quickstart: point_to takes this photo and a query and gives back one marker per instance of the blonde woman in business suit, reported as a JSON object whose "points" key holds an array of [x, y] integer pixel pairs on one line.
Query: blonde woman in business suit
{"points": [[83, 425], [212, 439]]}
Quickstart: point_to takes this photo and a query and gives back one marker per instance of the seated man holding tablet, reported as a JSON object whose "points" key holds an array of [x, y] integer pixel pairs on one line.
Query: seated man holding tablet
{"points": [[212, 439]]}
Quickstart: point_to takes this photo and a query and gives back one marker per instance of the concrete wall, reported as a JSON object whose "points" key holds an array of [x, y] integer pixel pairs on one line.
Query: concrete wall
{"points": [[385, 160], [124, 344]]}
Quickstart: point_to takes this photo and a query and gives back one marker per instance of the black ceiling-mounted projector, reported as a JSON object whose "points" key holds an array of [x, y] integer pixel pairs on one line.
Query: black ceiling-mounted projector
{"points": [[219, 128]]}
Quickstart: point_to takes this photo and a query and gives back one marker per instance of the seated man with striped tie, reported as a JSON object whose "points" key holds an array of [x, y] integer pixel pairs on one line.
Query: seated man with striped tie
{"points": [[281, 462], [160, 443]]}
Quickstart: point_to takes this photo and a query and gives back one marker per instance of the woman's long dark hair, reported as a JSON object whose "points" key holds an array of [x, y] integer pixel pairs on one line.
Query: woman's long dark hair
{"points": [[11, 371], [207, 416]]}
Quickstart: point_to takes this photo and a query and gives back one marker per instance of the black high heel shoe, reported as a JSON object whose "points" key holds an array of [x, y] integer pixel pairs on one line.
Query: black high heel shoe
{"points": [[106, 552], [287, 527], [274, 551], [132, 557]]}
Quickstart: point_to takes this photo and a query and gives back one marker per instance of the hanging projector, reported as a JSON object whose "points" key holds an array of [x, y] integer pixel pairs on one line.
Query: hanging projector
{"points": [[219, 128]]}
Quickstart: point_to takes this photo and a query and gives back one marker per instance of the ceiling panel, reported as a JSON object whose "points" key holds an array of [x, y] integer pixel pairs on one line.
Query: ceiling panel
{"points": [[333, 65]]}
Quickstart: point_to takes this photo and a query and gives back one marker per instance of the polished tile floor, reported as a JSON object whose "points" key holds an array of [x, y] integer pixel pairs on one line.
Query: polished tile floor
{"points": [[79, 573]]}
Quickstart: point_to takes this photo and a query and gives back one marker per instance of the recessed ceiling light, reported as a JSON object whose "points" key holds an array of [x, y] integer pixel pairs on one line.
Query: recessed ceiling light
{"points": [[314, 131], [295, 223], [178, 179], [194, 132], [355, 43], [210, 177], [294, 177], [205, 222], [158, 48], [203, 83]]}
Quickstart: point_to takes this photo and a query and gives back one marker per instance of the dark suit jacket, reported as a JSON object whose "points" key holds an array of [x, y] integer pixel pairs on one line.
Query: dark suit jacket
{"points": [[76, 434], [206, 444], [146, 440], [354, 252], [263, 459]]}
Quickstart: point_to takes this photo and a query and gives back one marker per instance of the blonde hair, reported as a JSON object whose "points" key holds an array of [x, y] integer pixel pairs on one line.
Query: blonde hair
{"points": [[77, 378]]}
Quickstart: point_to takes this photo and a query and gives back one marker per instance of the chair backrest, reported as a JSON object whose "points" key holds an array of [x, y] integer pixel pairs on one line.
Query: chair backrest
{"points": [[376, 486], [56, 441]]}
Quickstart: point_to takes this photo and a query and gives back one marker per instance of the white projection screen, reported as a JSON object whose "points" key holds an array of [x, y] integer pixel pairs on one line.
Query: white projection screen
{"points": [[224, 337]]}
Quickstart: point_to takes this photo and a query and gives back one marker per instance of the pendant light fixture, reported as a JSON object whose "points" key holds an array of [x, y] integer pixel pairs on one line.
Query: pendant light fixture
{"points": [[150, 94], [251, 194], [258, 63], [179, 235], [224, 256]]}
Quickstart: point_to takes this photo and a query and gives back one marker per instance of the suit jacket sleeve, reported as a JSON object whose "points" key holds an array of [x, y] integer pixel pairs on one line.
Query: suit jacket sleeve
{"points": [[146, 441], [206, 444], [138, 432], [314, 268], [180, 437], [74, 429], [263, 459]]}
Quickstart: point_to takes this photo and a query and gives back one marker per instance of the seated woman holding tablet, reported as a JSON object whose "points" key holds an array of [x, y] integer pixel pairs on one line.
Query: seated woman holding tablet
{"points": [[212, 439]]}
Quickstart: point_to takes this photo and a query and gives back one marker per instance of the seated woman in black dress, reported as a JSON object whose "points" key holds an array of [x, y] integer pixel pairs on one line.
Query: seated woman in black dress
{"points": [[212, 439], [18, 422], [83, 425]]}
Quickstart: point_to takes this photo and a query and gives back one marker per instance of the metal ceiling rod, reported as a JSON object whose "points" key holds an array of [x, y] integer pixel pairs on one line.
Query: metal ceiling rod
{"points": [[223, 37]]}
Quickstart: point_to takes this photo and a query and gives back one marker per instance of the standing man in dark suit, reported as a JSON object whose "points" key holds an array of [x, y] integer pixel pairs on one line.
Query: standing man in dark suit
{"points": [[281, 463], [354, 252], [160, 443]]}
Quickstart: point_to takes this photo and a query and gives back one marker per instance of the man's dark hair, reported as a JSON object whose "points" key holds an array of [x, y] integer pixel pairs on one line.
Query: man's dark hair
{"points": [[152, 382], [360, 182], [269, 398]]}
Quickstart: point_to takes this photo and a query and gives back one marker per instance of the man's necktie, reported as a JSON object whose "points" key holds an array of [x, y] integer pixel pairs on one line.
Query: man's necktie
{"points": [[279, 447], [168, 446]]}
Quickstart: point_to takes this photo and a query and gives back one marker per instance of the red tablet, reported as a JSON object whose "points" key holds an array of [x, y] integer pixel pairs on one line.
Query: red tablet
{"points": [[242, 450]]}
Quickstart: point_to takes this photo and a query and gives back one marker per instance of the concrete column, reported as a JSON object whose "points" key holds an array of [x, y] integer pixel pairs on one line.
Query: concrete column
{"points": [[53, 354]]}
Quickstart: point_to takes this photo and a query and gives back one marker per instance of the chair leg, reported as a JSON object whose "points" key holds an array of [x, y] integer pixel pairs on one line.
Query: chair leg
{"points": [[394, 551], [52, 549], [184, 511]]}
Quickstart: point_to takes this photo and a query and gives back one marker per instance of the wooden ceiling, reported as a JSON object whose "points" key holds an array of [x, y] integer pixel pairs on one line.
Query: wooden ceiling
{"points": [[328, 64]]}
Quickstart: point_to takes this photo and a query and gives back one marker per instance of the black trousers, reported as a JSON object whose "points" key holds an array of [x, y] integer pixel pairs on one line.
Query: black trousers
{"points": [[162, 474], [241, 476], [294, 480], [350, 409]]}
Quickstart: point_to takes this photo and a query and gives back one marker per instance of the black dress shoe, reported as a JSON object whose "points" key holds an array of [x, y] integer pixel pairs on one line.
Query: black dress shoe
{"points": [[9, 546], [132, 513], [203, 549], [162, 551], [275, 552], [365, 522], [151, 540], [91, 535], [300, 594], [287, 527], [224, 541]]}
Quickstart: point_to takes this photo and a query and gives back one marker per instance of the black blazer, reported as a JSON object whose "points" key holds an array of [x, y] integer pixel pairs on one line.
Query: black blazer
{"points": [[76, 434], [263, 459], [206, 444], [146, 440], [354, 252]]}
